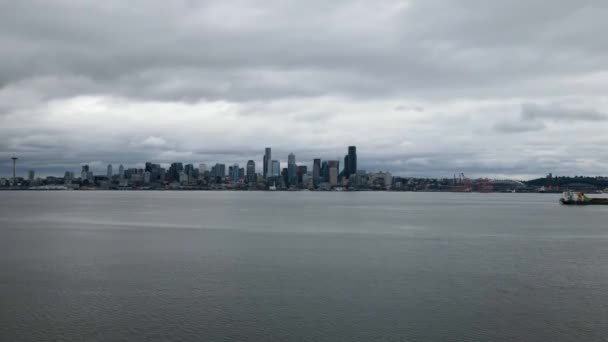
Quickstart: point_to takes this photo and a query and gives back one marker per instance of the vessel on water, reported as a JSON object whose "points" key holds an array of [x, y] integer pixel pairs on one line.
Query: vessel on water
{"points": [[569, 198]]}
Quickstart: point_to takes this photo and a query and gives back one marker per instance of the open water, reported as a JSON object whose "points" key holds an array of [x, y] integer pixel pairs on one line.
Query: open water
{"points": [[304, 266]]}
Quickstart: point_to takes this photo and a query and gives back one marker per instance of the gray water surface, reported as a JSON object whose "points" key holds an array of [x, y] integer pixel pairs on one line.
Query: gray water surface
{"points": [[305, 266]]}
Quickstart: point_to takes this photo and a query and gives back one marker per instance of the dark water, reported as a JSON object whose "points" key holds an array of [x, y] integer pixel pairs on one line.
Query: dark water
{"points": [[237, 266]]}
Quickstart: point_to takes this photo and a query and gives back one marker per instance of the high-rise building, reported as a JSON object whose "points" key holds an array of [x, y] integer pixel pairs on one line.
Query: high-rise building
{"points": [[324, 172], [292, 176], [275, 169], [84, 172], [109, 173], [30, 175], [174, 171], [333, 166], [202, 168], [316, 172], [121, 171], [251, 177], [234, 173], [67, 177], [301, 172], [352, 160], [267, 162]]}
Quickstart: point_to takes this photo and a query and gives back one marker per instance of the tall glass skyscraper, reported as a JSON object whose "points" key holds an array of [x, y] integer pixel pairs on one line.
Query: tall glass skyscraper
{"points": [[251, 172], [276, 169], [267, 162], [292, 170]]}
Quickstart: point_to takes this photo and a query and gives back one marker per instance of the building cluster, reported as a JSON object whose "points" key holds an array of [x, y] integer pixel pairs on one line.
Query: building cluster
{"points": [[324, 175]]}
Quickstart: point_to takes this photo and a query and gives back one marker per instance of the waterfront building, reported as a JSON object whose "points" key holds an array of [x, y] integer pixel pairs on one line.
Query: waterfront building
{"points": [[109, 172], [30, 175], [202, 168], [121, 171]]}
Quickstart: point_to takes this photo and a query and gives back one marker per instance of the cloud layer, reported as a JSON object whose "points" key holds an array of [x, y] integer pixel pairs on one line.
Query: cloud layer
{"points": [[421, 87]]}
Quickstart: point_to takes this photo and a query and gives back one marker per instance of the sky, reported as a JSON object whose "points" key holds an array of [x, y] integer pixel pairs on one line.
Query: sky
{"points": [[499, 89]]}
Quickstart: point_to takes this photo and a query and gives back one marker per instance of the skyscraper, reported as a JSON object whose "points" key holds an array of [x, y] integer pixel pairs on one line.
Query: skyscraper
{"points": [[301, 172], [333, 166], [276, 168], [84, 172], [352, 160], [267, 162], [251, 179], [14, 159], [109, 173], [234, 173], [324, 172], [292, 170], [121, 171], [316, 172], [202, 168], [30, 175]]}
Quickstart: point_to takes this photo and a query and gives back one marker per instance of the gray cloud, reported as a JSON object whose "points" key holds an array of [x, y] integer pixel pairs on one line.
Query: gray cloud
{"points": [[420, 86], [559, 113]]}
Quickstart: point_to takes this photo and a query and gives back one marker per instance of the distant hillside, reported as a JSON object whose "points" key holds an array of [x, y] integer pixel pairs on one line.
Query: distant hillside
{"points": [[599, 182]]}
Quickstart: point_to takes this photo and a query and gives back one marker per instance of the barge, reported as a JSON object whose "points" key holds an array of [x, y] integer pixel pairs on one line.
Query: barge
{"points": [[569, 198]]}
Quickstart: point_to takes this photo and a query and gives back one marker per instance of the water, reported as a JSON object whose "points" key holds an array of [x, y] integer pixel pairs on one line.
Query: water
{"points": [[262, 266]]}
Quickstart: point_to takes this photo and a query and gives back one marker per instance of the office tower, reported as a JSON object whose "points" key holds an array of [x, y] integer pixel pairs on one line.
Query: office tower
{"points": [[301, 171], [147, 176], [241, 174], [324, 172], [162, 174], [276, 168], [30, 175], [285, 176], [333, 166], [84, 172], [202, 168], [14, 159], [234, 173], [351, 162], [109, 171], [251, 177], [175, 170], [316, 172], [121, 171], [189, 169], [67, 177], [292, 176], [219, 170], [267, 162]]}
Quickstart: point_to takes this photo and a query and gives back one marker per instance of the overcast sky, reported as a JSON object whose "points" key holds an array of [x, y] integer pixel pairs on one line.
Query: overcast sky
{"points": [[421, 87]]}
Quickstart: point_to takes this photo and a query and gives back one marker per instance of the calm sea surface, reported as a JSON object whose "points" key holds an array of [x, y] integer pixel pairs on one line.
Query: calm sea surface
{"points": [[263, 266]]}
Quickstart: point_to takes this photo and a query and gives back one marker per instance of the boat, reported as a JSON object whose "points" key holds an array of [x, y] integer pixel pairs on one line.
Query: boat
{"points": [[569, 198]]}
